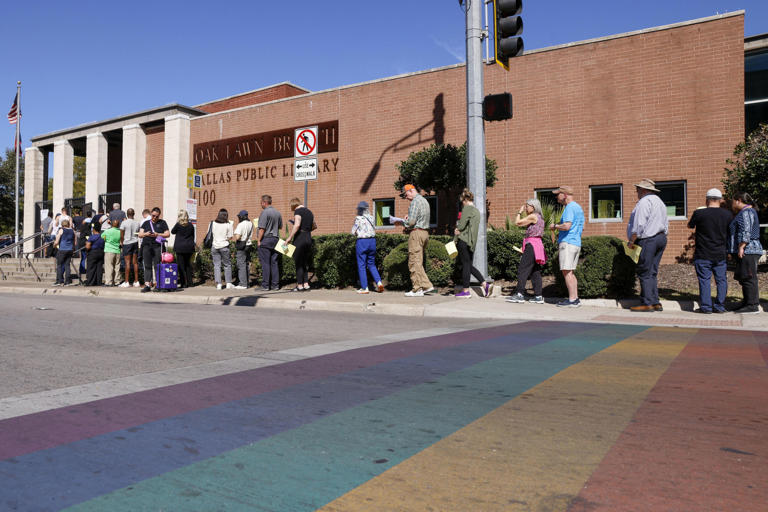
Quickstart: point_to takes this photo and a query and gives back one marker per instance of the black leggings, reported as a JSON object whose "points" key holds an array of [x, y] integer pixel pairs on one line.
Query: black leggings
{"points": [[303, 243], [529, 267], [94, 267], [465, 256], [184, 262]]}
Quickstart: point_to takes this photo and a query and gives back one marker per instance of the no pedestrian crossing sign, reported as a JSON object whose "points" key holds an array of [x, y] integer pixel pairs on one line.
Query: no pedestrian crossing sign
{"points": [[305, 170], [305, 142]]}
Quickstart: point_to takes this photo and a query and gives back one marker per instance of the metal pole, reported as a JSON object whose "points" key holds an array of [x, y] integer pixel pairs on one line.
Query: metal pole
{"points": [[475, 133], [17, 148]]}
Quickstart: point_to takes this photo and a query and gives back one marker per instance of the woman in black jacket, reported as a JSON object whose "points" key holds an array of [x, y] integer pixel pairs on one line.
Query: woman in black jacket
{"points": [[184, 247]]}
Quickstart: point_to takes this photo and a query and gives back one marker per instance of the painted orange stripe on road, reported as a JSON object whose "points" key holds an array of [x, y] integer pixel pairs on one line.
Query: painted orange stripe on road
{"points": [[536, 451]]}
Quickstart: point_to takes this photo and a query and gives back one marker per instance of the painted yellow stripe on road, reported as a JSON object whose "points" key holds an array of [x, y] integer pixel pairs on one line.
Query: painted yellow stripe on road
{"points": [[537, 450]]}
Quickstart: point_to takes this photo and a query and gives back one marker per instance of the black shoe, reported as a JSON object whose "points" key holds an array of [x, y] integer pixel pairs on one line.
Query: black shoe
{"points": [[748, 310], [703, 311], [146, 289], [720, 311]]}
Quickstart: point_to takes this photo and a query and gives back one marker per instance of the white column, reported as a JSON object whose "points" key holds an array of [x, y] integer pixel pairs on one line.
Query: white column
{"points": [[63, 163], [33, 191], [134, 168], [175, 164], [95, 168]]}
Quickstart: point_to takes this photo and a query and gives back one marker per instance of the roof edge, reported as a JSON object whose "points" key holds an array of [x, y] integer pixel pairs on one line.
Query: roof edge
{"points": [[251, 92]]}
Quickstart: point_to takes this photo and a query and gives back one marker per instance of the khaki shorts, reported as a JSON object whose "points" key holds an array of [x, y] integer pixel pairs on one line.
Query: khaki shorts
{"points": [[568, 256]]}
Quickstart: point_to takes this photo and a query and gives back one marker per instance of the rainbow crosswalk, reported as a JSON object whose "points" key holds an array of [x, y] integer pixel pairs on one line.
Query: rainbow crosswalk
{"points": [[531, 416]]}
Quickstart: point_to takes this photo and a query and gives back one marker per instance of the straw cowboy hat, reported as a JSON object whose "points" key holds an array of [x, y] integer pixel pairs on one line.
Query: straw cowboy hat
{"points": [[647, 185]]}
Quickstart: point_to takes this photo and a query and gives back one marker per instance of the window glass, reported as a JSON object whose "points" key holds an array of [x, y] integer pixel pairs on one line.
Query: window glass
{"points": [[673, 195], [432, 200], [383, 210], [545, 196], [605, 202]]}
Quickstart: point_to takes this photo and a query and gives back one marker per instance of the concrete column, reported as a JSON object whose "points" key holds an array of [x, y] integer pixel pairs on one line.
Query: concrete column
{"points": [[134, 168], [63, 169], [34, 170], [175, 164], [95, 167]]}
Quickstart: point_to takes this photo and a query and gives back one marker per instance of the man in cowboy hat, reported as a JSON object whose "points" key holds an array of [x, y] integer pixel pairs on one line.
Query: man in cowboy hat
{"points": [[648, 227]]}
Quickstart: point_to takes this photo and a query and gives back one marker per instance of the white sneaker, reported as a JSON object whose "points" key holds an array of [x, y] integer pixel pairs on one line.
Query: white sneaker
{"points": [[125, 284], [363, 290], [218, 286], [230, 286], [240, 287], [429, 290], [415, 293], [136, 285]]}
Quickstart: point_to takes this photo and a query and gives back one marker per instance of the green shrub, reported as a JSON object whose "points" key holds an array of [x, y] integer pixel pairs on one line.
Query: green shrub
{"points": [[439, 267], [336, 260], [603, 271], [503, 260]]}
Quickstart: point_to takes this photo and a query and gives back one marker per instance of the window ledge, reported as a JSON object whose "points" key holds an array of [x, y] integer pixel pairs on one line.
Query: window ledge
{"points": [[605, 221]]}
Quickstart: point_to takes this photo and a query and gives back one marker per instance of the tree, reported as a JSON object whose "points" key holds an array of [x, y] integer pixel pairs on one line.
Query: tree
{"points": [[8, 191], [441, 169], [749, 167]]}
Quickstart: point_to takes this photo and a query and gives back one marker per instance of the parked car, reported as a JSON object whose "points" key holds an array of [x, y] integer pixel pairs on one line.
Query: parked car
{"points": [[5, 241]]}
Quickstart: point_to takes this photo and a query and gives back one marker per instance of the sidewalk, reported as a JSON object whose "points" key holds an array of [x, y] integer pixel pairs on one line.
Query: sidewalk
{"points": [[395, 303]]}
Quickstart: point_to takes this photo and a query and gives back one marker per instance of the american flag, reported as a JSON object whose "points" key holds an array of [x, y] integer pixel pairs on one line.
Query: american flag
{"points": [[13, 114]]}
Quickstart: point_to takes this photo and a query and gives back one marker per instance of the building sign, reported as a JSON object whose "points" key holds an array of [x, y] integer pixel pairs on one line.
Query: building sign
{"points": [[264, 146], [305, 170]]}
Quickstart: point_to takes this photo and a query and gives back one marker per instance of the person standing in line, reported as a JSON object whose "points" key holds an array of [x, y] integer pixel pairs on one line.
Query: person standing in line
{"points": [[95, 259], [117, 213], [151, 249], [269, 226], [745, 248], [531, 218], [184, 247], [130, 240], [45, 228], [569, 243], [54, 231], [65, 242], [222, 235], [647, 228], [242, 237], [112, 249], [365, 248], [709, 257], [416, 225], [85, 233], [301, 236], [466, 230]]}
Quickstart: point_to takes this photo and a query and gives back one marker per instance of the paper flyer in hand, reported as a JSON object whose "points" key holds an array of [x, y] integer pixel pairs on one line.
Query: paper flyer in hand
{"points": [[632, 253], [285, 248], [393, 219]]}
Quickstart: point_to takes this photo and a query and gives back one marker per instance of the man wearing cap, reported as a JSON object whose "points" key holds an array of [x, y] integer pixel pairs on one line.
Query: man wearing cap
{"points": [[648, 226], [709, 258], [417, 223], [569, 243]]}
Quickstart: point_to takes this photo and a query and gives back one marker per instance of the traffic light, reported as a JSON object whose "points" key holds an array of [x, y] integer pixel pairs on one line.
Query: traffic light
{"points": [[497, 107], [507, 27]]}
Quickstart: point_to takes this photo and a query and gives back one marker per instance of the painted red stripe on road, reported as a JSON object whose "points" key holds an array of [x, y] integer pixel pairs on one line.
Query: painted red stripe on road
{"points": [[699, 440]]}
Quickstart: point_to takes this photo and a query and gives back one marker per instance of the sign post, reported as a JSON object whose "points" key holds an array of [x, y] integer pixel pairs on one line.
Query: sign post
{"points": [[305, 145]]}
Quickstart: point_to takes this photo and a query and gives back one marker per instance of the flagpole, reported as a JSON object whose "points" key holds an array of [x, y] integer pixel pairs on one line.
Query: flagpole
{"points": [[18, 150]]}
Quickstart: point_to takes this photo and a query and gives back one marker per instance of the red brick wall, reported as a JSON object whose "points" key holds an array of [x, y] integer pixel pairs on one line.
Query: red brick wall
{"points": [[665, 105], [252, 98], [153, 185]]}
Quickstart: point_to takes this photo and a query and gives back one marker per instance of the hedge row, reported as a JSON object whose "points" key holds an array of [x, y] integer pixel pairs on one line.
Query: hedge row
{"points": [[603, 270]]}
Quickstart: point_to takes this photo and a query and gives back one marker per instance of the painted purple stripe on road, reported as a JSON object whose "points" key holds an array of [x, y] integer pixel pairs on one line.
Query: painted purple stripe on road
{"points": [[47, 429], [85, 469]]}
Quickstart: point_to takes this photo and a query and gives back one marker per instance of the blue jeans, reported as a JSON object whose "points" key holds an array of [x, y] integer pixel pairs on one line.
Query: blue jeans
{"points": [[366, 261], [704, 271], [648, 267]]}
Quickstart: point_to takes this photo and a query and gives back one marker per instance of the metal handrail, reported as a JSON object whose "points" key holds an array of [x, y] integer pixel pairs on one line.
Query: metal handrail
{"points": [[7, 249]]}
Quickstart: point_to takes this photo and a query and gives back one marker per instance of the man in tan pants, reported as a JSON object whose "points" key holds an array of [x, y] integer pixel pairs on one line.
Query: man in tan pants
{"points": [[417, 223]]}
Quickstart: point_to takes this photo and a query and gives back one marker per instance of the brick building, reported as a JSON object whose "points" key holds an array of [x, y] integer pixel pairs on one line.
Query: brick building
{"points": [[665, 103]]}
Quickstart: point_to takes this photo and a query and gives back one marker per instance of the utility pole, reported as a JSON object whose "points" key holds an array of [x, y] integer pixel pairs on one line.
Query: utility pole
{"points": [[475, 128]]}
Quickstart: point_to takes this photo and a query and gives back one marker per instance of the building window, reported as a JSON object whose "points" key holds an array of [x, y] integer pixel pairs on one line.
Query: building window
{"points": [[673, 193], [383, 210], [755, 89], [605, 203], [432, 200], [545, 196]]}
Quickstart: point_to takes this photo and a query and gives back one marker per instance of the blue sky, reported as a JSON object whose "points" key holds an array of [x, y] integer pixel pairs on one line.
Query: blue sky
{"points": [[83, 61]]}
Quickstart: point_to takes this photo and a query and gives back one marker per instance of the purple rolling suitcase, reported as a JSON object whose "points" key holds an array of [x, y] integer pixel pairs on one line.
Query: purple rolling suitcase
{"points": [[167, 276]]}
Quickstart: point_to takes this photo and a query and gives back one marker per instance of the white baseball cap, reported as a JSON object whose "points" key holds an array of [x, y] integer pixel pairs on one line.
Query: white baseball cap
{"points": [[714, 193]]}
